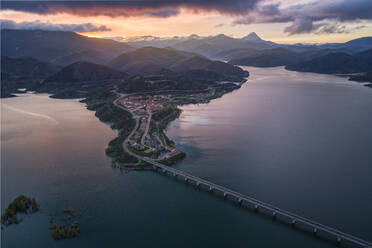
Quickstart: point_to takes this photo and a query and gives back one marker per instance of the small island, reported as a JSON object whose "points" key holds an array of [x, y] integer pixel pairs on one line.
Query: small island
{"points": [[65, 231], [22, 204]]}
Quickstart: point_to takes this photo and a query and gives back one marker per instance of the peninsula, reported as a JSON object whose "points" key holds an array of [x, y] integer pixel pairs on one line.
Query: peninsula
{"points": [[137, 92]]}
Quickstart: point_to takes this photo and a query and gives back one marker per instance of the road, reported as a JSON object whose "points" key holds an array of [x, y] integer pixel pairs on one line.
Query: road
{"points": [[117, 104], [147, 128]]}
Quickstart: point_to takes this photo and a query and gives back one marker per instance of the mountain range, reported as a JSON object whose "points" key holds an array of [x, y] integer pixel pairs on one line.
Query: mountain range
{"points": [[251, 50], [49, 60], [59, 47], [211, 46], [152, 60], [70, 57]]}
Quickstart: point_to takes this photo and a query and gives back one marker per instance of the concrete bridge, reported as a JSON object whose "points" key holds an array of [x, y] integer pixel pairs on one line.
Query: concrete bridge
{"points": [[296, 221]]}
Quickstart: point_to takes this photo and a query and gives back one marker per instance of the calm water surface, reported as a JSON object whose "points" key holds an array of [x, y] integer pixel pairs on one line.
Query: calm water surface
{"points": [[300, 141]]}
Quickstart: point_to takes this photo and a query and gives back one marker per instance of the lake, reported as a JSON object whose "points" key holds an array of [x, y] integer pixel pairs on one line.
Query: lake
{"points": [[300, 141]]}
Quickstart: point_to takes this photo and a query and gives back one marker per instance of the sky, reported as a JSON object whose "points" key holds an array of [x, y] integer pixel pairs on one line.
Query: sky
{"points": [[283, 21]]}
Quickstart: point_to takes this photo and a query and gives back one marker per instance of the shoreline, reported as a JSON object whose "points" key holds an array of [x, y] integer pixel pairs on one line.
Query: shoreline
{"points": [[143, 162], [109, 111]]}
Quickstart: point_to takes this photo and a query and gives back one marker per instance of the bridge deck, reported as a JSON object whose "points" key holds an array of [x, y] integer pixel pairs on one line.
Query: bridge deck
{"points": [[338, 236], [316, 228]]}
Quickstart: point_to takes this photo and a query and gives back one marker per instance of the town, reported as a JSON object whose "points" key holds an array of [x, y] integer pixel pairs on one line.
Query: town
{"points": [[146, 142], [149, 140]]}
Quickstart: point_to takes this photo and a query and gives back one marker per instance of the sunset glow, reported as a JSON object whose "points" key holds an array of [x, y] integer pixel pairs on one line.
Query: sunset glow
{"points": [[183, 20]]}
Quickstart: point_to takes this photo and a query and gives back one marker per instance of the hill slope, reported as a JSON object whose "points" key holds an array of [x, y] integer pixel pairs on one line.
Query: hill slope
{"points": [[26, 67], [199, 63], [266, 58], [51, 45], [161, 57], [366, 56], [91, 56], [334, 63], [151, 60], [85, 71]]}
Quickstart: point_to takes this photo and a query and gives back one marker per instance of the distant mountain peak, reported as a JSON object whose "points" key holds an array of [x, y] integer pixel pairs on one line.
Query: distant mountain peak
{"points": [[252, 37], [193, 36], [221, 36]]}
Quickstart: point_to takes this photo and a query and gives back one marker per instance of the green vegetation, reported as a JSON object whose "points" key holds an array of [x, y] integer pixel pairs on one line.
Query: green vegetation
{"points": [[181, 98], [167, 114], [142, 152], [144, 164], [161, 119], [22, 204], [120, 119], [64, 232], [34, 206], [165, 139], [175, 159], [115, 150], [68, 211], [167, 83]]}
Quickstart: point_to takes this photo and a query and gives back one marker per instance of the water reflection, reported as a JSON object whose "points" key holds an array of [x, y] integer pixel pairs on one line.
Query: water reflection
{"points": [[293, 139], [242, 141]]}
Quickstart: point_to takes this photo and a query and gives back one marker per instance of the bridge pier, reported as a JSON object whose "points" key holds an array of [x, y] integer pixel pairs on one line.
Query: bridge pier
{"points": [[276, 214], [293, 223]]}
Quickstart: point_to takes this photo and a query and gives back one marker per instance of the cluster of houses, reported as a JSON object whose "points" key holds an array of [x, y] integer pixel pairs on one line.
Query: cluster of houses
{"points": [[141, 107], [138, 103]]}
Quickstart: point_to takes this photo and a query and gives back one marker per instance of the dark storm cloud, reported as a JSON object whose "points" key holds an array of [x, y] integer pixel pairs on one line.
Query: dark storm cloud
{"points": [[156, 8], [163, 13], [305, 16], [333, 29], [300, 26], [337, 29], [82, 28]]}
